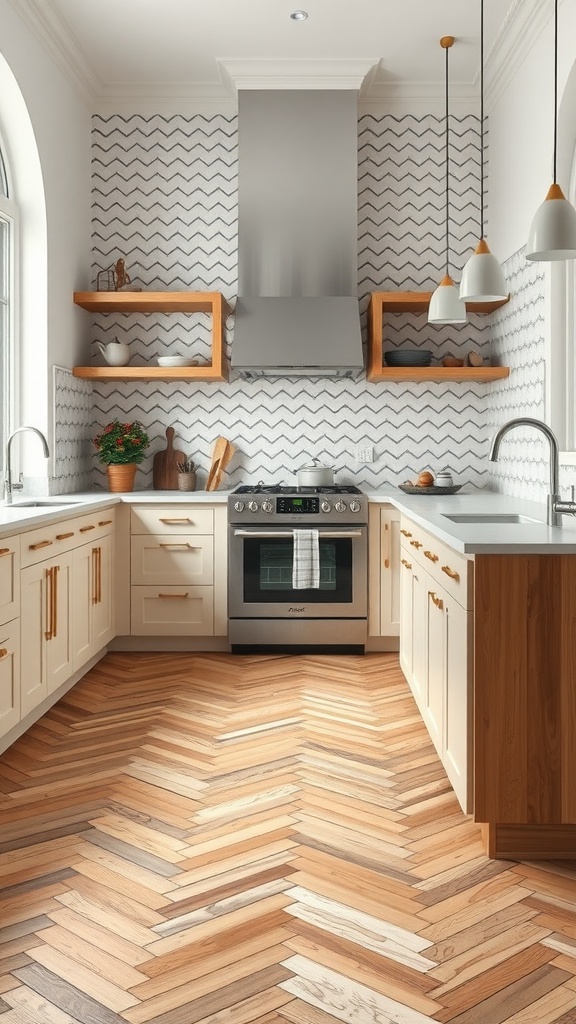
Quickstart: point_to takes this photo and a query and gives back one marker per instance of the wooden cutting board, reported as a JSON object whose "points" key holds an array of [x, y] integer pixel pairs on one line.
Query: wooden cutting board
{"points": [[165, 465]]}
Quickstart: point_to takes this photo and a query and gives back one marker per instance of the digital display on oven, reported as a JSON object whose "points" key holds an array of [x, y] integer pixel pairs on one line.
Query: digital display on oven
{"points": [[287, 505]]}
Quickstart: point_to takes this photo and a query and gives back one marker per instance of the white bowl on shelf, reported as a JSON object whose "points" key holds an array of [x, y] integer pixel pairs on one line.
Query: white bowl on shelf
{"points": [[175, 361]]}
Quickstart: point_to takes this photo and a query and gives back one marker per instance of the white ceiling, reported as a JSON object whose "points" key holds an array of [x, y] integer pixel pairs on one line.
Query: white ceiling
{"points": [[203, 49]]}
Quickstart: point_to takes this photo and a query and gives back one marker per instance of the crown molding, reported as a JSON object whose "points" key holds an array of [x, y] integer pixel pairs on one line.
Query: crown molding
{"points": [[297, 74], [518, 33], [44, 21]]}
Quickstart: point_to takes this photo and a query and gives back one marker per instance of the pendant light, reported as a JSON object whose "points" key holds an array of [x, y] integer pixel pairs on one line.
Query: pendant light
{"points": [[482, 277], [445, 305], [553, 231]]}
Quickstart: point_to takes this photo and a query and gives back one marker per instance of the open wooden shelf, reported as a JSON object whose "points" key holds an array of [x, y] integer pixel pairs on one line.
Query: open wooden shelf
{"points": [[160, 302], [418, 302]]}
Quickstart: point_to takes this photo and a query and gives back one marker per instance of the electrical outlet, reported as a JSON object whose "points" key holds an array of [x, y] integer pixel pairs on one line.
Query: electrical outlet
{"points": [[365, 454]]}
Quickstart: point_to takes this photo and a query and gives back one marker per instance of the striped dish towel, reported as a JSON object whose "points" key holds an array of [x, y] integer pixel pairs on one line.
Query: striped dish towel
{"points": [[306, 560]]}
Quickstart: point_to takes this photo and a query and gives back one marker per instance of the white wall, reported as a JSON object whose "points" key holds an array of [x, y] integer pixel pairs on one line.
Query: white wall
{"points": [[60, 123], [521, 135]]}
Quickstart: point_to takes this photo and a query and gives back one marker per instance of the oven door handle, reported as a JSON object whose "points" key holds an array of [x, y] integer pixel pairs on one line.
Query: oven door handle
{"points": [[290, 533]]}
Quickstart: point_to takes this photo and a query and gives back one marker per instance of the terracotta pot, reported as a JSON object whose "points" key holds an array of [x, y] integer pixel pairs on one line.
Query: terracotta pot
{"points": [[121, 477]]}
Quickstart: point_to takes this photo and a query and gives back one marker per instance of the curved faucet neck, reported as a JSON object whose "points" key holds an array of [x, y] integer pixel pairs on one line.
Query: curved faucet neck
{"points": [[528, 421]]}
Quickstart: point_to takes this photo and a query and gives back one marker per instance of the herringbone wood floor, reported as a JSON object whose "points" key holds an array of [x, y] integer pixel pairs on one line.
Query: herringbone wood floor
{"points": [[220, 840]]}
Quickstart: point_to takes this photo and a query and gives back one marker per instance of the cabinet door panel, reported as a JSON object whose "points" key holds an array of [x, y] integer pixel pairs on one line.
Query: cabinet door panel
{"points": [[103, 609], [59, 654], [458, 727], [9, 578], [172, 611], [81, 611], [34, 617], [406, 616], [172, 560], [390, 572], [434, 713], [419, 636], [9, 676]]}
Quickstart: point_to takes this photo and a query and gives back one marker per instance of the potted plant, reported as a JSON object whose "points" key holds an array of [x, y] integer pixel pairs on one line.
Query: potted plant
{"points": [[121, 447]]}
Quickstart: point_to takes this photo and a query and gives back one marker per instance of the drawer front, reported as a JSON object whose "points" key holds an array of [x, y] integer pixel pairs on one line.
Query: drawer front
{"points": [[172, 559], [50, 540], [9, 578], [451, 570], [177, 519], [172, 611]]}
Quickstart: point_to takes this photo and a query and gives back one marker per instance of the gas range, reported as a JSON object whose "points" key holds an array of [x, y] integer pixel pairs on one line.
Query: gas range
{"points": [[309, 506]]}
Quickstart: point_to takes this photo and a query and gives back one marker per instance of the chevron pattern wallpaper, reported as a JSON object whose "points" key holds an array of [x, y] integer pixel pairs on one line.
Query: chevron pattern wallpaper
{"points": [[165, 198]]}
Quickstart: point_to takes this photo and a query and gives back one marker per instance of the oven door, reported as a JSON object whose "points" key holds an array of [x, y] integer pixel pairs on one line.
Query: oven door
{"points": [[260, 566]]}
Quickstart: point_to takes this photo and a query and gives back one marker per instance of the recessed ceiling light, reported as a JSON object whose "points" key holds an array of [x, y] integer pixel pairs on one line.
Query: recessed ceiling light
{"points": [[299, 15]]}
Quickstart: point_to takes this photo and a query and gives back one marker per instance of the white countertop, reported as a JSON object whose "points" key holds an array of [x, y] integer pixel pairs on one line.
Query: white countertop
{"points": [[426, 510]]}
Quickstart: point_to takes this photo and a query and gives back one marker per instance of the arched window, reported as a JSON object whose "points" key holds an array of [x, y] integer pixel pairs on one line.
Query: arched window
{"points": [[8, 231]]}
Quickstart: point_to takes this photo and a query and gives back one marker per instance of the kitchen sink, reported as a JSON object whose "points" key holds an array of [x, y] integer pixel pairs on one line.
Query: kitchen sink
{"points": [[514, 518], [43, 504]]}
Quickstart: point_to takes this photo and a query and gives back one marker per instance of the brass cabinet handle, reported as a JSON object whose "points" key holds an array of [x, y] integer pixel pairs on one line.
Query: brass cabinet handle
{"points": [[4, 551], [407, 564], [40, 544], [104, 522], [174, 544], [64, 536], [55, 598], [185, 520], [451, 573], [49, 631], [431, 556], [416, 543], [174, 595], [94, 576], [3, 652], [84, 529], [386, 559], [436, 600], [406, 533], [99, 559]]}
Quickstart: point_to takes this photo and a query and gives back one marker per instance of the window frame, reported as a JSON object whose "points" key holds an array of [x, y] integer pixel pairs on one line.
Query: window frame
{"points": [[9, 355]]}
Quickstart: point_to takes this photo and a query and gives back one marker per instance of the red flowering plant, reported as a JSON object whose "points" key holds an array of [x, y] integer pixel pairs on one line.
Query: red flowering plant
{"points": [[120, 443]]}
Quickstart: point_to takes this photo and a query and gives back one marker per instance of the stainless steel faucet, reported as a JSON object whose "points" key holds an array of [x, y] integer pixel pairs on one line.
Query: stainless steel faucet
{"points": [[9, 487], [555, 508]]}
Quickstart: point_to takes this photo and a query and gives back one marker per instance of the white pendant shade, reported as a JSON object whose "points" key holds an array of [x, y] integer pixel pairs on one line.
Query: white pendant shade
{"points": [[553, 231], [446, 306], [482, 277]]}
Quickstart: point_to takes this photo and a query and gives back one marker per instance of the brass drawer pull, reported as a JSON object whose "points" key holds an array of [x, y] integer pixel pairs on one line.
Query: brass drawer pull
{"points": [[4, 551], [185, 520], [174, 544], [3, 652], [405, 533], [407, 564], [431, 556], [64, 536], [174, 595], [416, 544], [40, 544], [436, 600], [104, 522], [451, 573], [84, 529]]}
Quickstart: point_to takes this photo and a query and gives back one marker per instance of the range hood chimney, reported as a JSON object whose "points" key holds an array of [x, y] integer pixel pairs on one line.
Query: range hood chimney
{"points": [[297, 310]]}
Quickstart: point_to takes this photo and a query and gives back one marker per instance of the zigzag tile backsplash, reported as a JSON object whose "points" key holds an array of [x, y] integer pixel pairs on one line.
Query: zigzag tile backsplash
{"points": [[165, 198]]}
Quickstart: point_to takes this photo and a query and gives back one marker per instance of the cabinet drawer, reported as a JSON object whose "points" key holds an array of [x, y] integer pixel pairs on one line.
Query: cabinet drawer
{"points": [[449, 569], [172, 559], [9, 578], [172, 611], [50, 540], [178, 519]]}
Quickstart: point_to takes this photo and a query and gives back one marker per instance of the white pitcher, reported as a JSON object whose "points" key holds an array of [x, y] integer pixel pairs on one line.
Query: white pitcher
{"points": [[115, 353]]}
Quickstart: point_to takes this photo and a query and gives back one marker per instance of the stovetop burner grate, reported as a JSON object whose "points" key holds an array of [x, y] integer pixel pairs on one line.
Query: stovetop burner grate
{"points": [[281, 489]]}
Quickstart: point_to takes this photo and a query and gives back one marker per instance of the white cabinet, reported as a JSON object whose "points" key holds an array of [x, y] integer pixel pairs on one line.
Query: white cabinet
{"points": [[384, 571], [178, 570], [9, 579], [93, 606], [10, 710], [436, 647], [46, 655]]}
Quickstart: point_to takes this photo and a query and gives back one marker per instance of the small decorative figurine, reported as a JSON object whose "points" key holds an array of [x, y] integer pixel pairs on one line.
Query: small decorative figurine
{"points": [[121, 277]]}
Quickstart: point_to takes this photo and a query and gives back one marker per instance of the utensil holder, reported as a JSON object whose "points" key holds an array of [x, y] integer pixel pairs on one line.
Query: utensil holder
{"points": [[186, 481]]}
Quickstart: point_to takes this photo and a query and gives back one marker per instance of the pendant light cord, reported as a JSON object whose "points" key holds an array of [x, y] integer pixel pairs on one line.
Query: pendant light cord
{"points": [[447, 171], [555, 85], [481, 119]]}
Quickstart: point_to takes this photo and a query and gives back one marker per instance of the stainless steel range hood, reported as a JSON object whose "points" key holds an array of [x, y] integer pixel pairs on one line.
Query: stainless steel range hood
{"points": [[297, 311]]}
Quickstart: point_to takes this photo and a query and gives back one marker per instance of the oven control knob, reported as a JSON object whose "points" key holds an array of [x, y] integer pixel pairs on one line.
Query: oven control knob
{"points": [[340, 506], [355, 506], [253, 506], [326, 506], [267, 506], [238, 506]]}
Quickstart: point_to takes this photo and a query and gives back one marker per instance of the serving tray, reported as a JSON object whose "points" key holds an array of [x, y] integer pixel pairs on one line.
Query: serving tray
{"points": [[410, 489]]}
